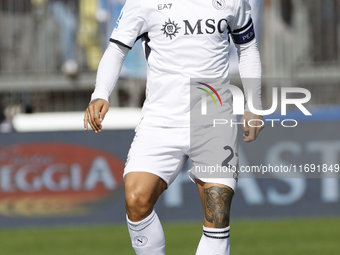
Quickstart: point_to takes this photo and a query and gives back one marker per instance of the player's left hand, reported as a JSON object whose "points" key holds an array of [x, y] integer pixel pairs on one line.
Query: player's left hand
{"points": [[257, 124]]}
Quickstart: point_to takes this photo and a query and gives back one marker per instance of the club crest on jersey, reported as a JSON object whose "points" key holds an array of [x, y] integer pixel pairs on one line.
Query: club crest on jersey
{"points": [[219, 4], [140, 240], [170, 28]]}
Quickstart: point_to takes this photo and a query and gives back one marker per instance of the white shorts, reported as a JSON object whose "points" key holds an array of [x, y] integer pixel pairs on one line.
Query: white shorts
{"points": [[164, 150]]}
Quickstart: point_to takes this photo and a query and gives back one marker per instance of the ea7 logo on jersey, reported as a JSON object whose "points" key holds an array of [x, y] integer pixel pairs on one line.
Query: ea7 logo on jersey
{"points": [[164, 6], [219, 4], [170, 29]]}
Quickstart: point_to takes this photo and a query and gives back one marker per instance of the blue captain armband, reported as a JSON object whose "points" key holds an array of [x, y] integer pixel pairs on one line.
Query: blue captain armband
{"points": [[245, 34]]}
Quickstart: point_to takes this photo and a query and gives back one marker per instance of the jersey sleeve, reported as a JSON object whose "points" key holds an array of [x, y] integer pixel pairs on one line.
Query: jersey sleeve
{"points": [[242, 28], [130, 25]]}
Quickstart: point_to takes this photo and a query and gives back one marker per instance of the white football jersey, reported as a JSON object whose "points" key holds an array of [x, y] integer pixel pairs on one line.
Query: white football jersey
{"points": [[182, 39]]}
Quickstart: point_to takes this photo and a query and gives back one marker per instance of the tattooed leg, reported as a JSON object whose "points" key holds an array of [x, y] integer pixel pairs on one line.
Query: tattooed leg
{"points": [[216, 201]]}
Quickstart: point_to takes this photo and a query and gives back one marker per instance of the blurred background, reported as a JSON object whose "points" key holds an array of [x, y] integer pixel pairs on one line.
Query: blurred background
{"points": [[50, 50], [54, 174], [49, 53]]}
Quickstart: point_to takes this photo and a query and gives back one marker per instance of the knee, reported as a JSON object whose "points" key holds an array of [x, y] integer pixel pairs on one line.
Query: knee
{"points": [[138, 205]]}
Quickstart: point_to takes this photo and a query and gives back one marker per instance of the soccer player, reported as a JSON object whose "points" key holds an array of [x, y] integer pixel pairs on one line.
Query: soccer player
{"points": [[183, 40]]}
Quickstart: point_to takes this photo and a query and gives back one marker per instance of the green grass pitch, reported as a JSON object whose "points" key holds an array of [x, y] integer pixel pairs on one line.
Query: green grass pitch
{"points": [[286, 237]]}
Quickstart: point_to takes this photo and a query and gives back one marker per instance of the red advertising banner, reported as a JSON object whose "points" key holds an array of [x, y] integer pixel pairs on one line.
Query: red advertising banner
{"points": [[55, 179]]}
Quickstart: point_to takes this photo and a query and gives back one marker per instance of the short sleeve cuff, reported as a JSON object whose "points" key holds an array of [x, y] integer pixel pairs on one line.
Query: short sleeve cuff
{"points": [[120, 43]]}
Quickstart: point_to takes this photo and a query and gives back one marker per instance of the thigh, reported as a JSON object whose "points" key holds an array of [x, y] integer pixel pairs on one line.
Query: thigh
{"points": [[216, 202]]}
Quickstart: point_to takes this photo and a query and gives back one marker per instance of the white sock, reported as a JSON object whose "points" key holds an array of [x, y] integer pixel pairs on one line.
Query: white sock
{"points": [[214, 241], [147, 236]]}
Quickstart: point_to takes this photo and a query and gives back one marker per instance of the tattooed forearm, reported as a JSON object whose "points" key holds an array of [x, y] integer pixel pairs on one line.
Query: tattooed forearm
{"points": [[217, 201]]}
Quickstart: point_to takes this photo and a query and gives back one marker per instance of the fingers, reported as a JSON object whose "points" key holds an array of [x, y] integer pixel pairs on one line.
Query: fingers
{"points": [[246, 129], [90, 112], [95, 114], [86, 120], [250, 135], [251, 131], [95, 111], [245, 126], [103, 112]]}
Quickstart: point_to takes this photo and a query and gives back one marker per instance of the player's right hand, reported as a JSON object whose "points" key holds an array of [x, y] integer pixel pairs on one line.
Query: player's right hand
{"points": [[95, 114]]}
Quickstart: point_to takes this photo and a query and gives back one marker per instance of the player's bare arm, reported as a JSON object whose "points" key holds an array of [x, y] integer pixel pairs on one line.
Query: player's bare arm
{"points": [[251, 132], [95, 114]]}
